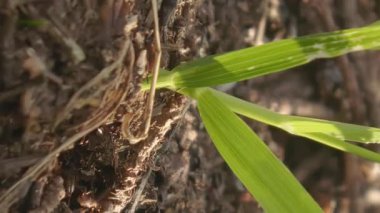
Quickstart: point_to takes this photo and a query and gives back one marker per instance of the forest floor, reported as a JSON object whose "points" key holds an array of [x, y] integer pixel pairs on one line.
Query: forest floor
{"points": [[70, 99]]}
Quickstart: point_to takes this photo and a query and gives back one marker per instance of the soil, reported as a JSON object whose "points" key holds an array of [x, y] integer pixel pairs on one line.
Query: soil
{"points": [[70, 101]]}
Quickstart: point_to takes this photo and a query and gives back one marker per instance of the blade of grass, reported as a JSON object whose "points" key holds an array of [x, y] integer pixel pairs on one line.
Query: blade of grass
{"points": [[269, 58], [32, 22], [342, 145], [328, 133], [342, 131], [269, 181]]}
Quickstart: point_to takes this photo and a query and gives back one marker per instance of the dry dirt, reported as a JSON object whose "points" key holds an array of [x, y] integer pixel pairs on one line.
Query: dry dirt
{"points": [[70, 74]]}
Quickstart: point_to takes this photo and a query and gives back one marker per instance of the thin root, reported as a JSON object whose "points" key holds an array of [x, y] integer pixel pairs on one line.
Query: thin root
{"points": [[150, 102]]}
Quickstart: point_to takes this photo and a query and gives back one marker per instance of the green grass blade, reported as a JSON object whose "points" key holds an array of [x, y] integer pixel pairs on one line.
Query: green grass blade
{"points": [[269, 58], [342, 131], [326, 132], [269, 181], [34, 23], [342, 145]]}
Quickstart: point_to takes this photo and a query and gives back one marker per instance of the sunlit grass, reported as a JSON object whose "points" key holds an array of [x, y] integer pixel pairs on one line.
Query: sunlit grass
{"points": [[267, 179]]}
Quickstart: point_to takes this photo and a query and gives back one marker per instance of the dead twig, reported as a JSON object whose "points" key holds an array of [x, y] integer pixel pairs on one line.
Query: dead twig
{"points": [[100, 83], [133, 139], [140, 191], [350, 81], [13, 165], [259, 40]]}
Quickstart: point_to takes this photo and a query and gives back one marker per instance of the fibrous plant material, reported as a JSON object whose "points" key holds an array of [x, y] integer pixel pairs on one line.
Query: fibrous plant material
{"points": [[112, 95]]}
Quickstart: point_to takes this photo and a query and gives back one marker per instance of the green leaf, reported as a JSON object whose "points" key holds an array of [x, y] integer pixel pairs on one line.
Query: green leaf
{"points": [[34, 23], [342, 131], [326, 132], [269, 58], [342, 145], [269, 181]]}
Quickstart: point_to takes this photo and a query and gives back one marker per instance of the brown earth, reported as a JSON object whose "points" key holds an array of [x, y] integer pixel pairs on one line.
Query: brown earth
{"points": [[69, 91]]}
